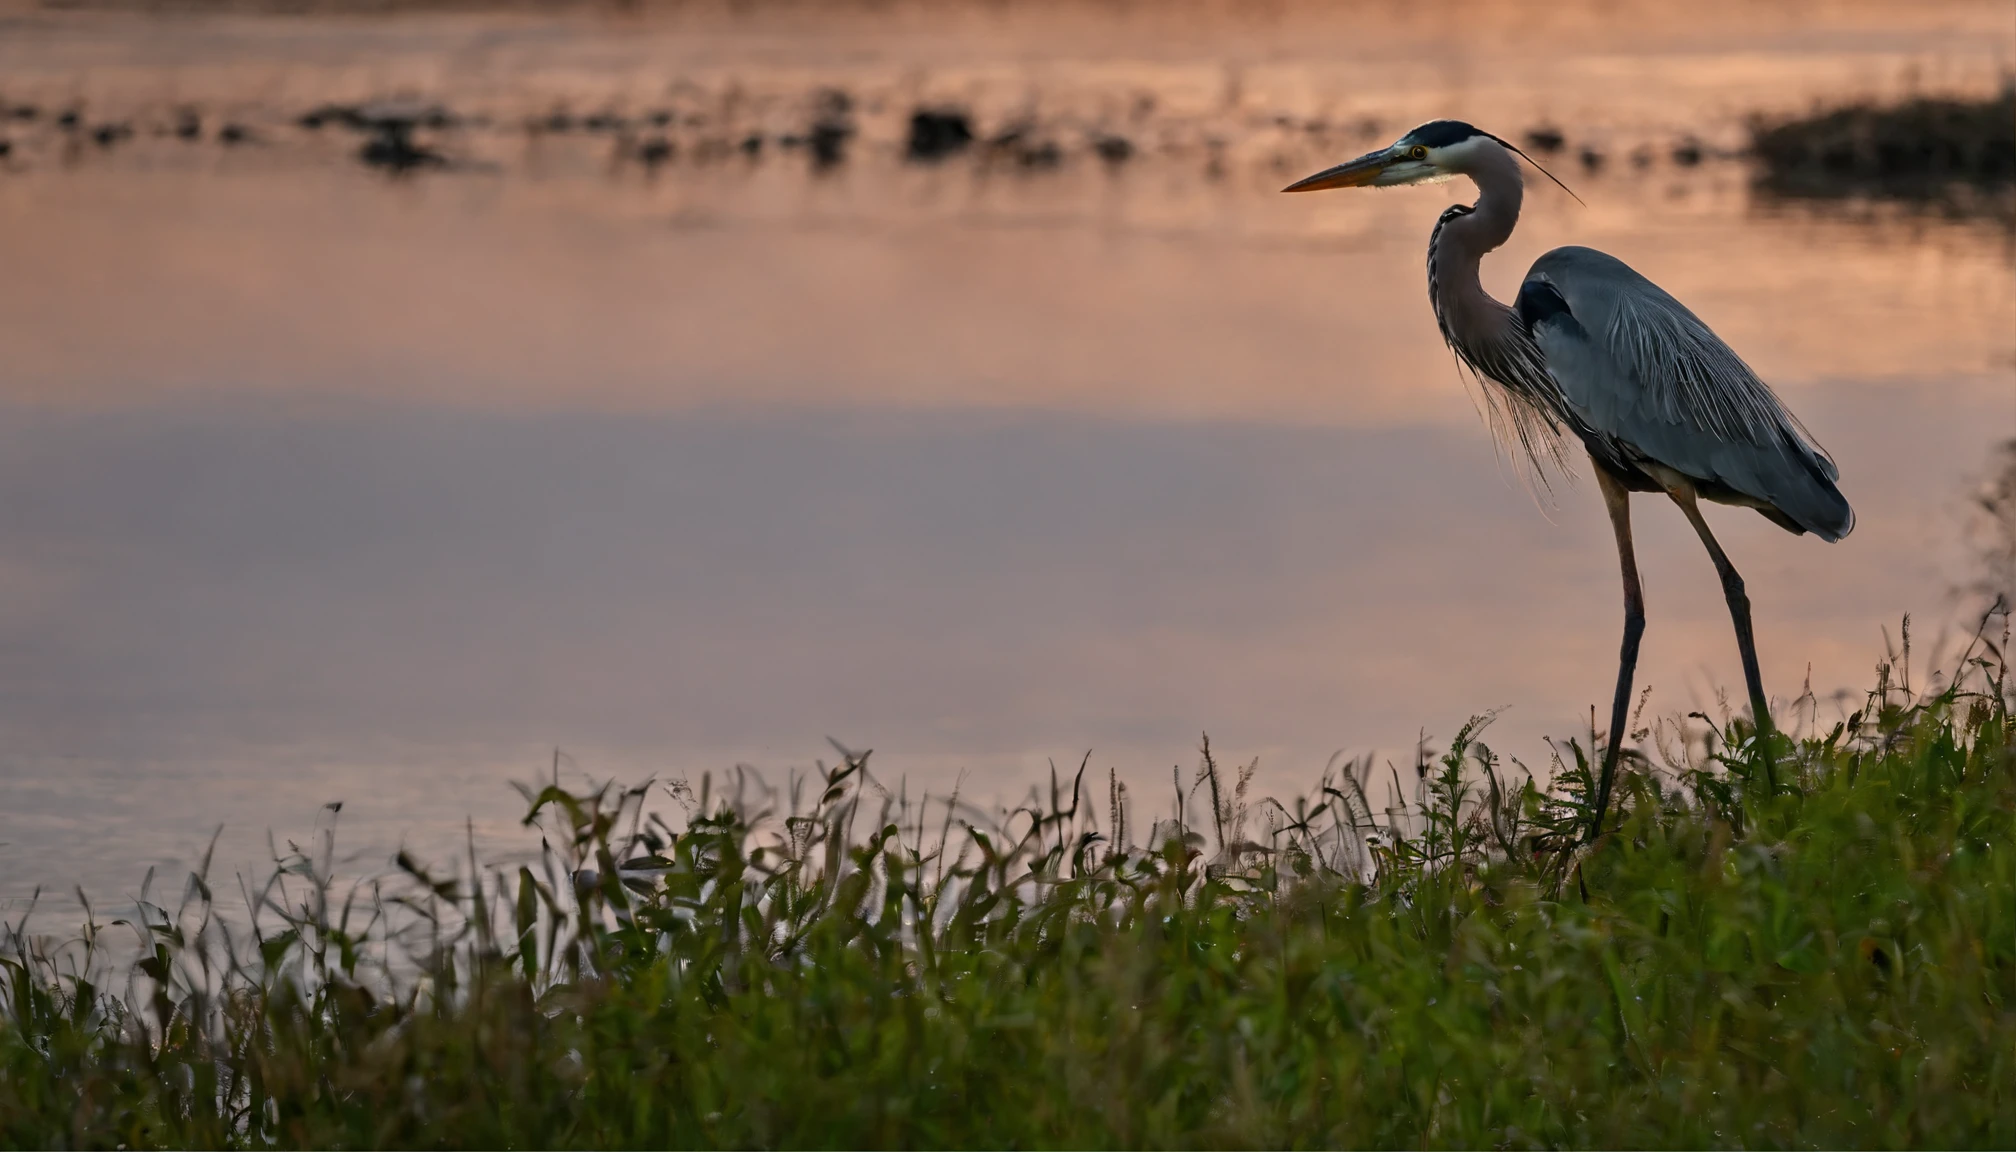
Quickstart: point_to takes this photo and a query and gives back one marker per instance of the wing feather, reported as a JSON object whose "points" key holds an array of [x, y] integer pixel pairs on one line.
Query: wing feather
{"points": [[1651, 382]]}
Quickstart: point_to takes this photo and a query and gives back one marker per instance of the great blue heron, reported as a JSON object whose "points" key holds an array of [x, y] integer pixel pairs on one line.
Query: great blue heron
{"points": [[1592, 348]]}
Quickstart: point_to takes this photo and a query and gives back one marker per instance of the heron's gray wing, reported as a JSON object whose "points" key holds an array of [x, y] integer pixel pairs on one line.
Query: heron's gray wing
{"points": [[1652, 383]]}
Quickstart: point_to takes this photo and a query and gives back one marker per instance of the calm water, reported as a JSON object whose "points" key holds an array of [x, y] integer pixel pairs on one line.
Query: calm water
{"points": [[317, 485]]}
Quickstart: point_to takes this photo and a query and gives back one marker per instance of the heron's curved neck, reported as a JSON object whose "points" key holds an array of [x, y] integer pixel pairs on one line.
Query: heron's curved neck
{"points": [[1461, 240]]}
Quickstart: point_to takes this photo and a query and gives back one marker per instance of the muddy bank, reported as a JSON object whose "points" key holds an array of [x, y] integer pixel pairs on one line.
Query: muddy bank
{"points": [[1942, 150], [820, 128]]}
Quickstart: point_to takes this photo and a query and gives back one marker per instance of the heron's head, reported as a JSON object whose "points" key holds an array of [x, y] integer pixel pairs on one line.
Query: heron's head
{"points": [[1437, 150]]}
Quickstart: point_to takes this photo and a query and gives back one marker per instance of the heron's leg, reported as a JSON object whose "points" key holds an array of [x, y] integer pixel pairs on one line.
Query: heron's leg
{"points": [[1618, 500], [1739, 602]]}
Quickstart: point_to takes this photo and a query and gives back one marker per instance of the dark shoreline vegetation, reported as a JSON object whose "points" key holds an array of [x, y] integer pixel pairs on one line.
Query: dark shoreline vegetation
{"points": [[1959, 154], [1951, 154], [1779, 942]]}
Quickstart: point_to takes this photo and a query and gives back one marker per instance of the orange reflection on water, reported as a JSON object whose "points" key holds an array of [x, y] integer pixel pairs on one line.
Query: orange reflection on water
{"points": [[319, 482], [140, 286]]}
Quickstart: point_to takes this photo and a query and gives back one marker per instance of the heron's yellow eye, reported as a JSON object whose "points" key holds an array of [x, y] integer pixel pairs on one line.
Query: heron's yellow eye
{"points": [[1418, 152]]}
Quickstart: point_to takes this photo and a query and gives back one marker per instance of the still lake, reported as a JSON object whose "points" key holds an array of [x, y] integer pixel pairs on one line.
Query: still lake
{"points": [[319, 484]]}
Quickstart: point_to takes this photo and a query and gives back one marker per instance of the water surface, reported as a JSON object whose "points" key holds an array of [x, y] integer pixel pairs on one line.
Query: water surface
{"points": [[320, 486]]}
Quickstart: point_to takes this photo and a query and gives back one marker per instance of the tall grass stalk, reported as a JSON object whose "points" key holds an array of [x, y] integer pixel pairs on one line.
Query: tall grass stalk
{"points": [[1827, 961]]}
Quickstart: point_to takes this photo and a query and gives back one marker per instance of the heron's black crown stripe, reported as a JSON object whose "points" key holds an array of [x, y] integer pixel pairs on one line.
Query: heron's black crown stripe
{"points": [[1442, 133]]}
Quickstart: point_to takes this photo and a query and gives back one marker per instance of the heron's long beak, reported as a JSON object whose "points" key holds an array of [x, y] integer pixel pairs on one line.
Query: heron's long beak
{"points": [[1355, 174]]}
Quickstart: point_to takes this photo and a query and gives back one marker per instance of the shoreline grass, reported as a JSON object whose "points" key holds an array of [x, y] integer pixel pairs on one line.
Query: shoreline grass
{"points": [[1827, 961]]}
